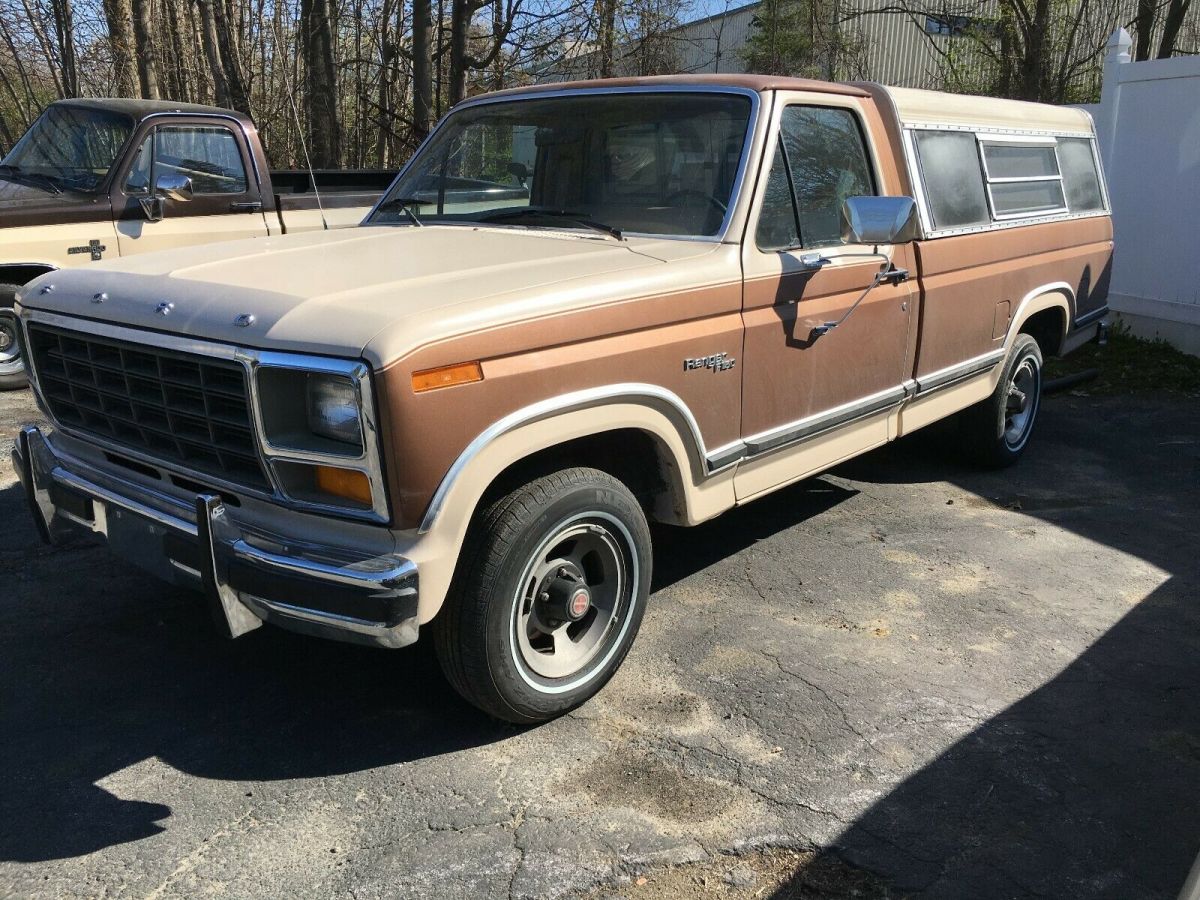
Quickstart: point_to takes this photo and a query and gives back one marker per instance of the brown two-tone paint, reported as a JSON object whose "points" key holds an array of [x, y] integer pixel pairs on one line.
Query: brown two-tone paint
{"points": [[645, 340], [964, 278]]}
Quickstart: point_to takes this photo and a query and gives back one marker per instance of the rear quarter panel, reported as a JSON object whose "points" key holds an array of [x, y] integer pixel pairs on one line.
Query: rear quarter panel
{"points": [[965, 278]]}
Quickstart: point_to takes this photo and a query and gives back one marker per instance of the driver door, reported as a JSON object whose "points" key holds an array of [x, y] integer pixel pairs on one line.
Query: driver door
{"points": [[808, 398], [226, 202]]}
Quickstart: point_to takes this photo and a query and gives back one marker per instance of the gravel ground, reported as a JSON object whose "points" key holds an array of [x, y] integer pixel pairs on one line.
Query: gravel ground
{"points": [[903, 678]]}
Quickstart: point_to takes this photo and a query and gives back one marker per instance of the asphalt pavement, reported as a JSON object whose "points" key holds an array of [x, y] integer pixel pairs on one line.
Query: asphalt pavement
{"points": [[959, 683]]}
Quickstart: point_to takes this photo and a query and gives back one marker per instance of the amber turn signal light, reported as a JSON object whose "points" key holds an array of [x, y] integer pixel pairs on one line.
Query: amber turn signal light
{"points": [[345, 483], [446, 376]]}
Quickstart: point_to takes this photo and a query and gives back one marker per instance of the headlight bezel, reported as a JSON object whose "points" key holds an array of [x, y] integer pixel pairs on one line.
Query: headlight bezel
{"points": [[290, 453]]}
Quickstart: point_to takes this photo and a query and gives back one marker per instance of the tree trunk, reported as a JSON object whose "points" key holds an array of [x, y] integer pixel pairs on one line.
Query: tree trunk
{"points": [[1174, 21], [320, 80], [422, 44], [64, 25], [119, 16], [460, 22], [143, 32], [208, 37], [607, 37], [1143, 22], [231, 65]]}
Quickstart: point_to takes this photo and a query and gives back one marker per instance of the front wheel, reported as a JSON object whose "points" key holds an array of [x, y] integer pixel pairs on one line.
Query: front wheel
{"points": [[550, 591], [12, 367], [996, 431]]}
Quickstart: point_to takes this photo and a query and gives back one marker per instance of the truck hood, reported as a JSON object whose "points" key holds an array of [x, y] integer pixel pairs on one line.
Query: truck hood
{"points": [[374, 293], [27, 204]]}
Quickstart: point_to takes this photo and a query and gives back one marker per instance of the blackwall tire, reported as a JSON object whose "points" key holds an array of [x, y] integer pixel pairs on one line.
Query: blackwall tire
{"points": [[996, 432], [12, 367], [506, 637]]}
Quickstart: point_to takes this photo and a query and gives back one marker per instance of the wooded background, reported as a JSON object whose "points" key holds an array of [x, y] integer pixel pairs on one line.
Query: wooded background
{"points": [[368, 78]]}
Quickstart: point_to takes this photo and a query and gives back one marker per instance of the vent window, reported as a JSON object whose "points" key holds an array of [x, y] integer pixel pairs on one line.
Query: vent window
{"points": [[1023, 179]]}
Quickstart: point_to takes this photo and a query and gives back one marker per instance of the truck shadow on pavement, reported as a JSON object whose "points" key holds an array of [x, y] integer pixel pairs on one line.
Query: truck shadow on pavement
{"points": [[114, 668], [1089, 786]]}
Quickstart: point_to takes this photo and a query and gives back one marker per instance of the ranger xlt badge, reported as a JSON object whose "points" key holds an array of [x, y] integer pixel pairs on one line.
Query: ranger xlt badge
{"points": [[718, 362]]}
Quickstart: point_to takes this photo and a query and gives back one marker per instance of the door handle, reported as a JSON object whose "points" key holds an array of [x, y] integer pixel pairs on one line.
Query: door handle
{"points": [[248, 206]]}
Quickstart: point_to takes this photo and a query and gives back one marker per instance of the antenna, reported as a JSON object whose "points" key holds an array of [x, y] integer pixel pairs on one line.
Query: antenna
{"points": [[312, 176]]}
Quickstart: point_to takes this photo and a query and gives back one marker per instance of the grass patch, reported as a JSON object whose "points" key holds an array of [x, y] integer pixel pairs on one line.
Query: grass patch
{"points": [[1132, 365]]}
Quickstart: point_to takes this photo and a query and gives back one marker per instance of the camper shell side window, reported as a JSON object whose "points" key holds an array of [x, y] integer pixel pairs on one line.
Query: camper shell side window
{"points": [[979, 179]]}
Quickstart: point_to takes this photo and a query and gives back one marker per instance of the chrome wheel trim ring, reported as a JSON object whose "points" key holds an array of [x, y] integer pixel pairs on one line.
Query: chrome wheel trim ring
{"points": [[10, 355], [588, 664], [1026, 380]]}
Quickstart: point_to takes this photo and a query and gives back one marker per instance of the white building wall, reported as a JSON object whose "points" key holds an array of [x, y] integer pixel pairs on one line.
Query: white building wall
{"points": [[1148, 122]]}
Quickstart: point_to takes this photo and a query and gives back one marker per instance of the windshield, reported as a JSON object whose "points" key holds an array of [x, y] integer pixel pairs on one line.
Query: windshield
{"points": [[69, 147], [662, 164]]}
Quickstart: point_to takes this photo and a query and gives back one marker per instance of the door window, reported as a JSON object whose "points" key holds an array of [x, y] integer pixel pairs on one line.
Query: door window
{"points": [[824, 162], [207, 154]]}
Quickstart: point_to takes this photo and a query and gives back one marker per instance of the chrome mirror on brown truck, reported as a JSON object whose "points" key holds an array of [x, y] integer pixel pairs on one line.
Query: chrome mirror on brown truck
{"points": [[879, 220], [170, 186], [174, 187]]}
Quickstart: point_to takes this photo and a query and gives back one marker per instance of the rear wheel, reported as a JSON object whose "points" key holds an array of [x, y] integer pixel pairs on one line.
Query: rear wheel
{"points": [[12, 367], [996, 431], [549, 595]]}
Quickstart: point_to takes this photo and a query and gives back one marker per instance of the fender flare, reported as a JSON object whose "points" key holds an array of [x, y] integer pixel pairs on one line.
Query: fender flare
{"points": [[1055, 295], [694, 493], [644, 407]]}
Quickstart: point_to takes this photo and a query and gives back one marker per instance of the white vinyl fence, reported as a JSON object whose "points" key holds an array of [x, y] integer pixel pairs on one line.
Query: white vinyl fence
{"points": [[1148, 122]]}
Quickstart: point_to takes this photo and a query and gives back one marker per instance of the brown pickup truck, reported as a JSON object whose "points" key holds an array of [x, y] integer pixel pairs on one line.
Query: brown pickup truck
{"points": [[95, 179], [461, 417]]}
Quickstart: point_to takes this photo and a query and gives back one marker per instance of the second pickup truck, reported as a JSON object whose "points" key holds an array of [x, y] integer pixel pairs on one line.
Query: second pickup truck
{"points": [[95, 179]]}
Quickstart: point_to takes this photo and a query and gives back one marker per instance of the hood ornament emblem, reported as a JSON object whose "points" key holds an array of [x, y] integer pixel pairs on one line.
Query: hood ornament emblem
{"points": [[164, 308], [48, 289], [99, 298], [245, 320]]}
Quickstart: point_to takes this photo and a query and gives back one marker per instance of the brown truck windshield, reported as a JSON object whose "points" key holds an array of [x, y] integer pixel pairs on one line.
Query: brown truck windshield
{"points": [[68, 147], [649, 163]]}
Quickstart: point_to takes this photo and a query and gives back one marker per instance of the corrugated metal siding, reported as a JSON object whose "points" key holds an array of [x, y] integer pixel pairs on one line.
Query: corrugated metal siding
{"points": [[895, 49]]}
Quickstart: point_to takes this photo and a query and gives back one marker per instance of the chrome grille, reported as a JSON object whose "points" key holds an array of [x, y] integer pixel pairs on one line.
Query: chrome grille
{"points": [[178, 407]]}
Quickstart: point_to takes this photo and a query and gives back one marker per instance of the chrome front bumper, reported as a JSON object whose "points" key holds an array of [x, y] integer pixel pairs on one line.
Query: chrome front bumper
{"points": [[248, 577]]}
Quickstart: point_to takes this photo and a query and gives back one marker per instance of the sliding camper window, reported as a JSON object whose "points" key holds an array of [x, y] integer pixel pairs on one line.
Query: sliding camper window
{"points": [[976, 180], [1023, 178]]}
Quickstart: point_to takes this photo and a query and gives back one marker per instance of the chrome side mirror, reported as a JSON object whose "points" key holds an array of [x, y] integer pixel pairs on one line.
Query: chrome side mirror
{"points": [[879, 220], [174, 187], [168, 186]]}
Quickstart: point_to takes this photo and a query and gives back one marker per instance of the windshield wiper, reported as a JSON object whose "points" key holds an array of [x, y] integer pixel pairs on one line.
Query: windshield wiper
{"points": [[404, 204], [36, 177], [537, 211]]}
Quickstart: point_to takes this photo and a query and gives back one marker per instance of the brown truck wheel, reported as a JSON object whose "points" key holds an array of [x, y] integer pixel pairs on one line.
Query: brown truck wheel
{"points": [[996, 431], [548, 597], [12, 367]]}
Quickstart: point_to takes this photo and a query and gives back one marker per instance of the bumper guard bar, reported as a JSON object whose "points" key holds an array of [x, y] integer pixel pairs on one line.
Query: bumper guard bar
{"points": [[247, 577]]}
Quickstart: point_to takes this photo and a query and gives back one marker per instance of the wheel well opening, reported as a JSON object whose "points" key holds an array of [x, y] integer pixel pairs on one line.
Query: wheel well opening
{"points": [[1046, 327], [20, 275], [636, 458]]}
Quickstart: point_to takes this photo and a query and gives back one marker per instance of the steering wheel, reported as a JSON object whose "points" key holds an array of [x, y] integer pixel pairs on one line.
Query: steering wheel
{"points": [[707, 198]]}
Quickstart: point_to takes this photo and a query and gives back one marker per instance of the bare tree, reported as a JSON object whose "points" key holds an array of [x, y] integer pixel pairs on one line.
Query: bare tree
{"points": [[320, 82], [119, 15]]}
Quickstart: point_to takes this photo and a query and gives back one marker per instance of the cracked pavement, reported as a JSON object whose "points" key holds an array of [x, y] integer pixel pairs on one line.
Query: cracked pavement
{"points": [[969, 684]]}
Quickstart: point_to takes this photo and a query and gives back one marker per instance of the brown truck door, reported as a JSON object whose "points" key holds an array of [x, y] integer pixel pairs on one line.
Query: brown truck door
{"points": [[226, 199], [798, 384]]}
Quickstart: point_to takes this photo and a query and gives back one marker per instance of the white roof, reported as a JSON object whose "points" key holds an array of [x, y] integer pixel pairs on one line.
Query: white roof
{"points": [[936, 108]]}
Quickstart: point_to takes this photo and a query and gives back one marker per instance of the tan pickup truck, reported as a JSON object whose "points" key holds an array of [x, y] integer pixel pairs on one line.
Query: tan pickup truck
{"points": [[463, 415], [96, 179]]}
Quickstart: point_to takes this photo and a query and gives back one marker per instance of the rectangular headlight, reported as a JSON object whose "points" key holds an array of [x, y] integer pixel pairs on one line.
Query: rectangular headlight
{"points": [[316, 421], [333, 409]]}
